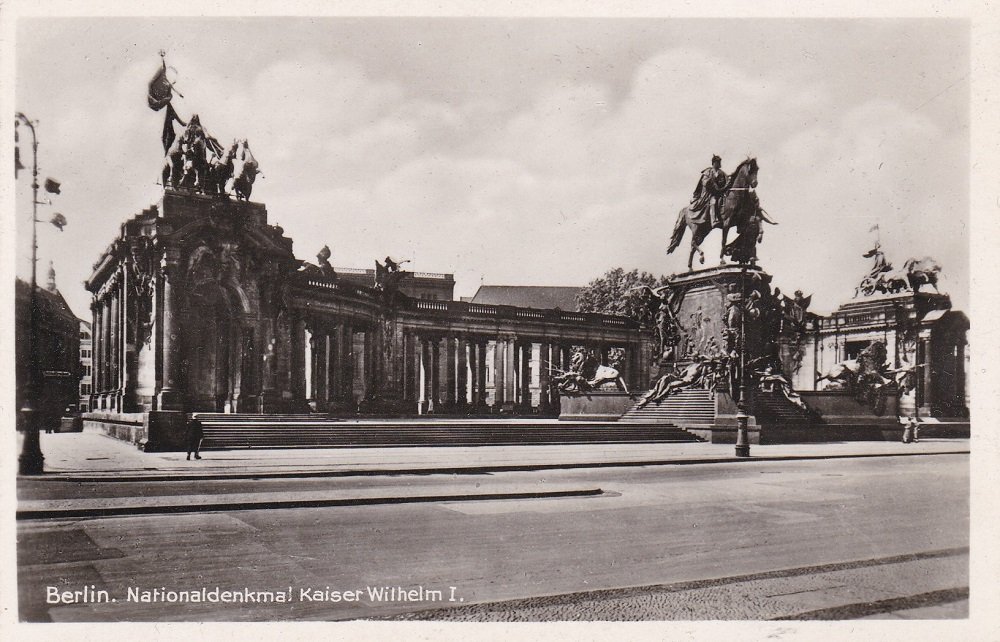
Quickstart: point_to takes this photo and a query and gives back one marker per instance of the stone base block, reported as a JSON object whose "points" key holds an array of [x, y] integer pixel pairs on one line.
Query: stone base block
{"points": [[596, 406], [166, 431], [128, 427]]}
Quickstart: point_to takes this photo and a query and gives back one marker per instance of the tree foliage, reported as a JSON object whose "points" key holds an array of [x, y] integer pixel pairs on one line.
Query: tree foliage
{"points": [[617, 293]]}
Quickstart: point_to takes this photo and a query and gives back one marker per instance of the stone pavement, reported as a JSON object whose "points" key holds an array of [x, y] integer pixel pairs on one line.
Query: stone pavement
{"points": [[94, 455], [923, 586]]}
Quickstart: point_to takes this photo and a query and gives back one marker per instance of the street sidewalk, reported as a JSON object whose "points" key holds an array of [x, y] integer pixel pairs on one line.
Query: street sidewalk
{"points": [[94, 455]]}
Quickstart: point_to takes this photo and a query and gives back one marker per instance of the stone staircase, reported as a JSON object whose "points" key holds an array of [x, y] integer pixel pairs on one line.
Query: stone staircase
{"points": [[223, 432], [692, 407], [773, 406]]}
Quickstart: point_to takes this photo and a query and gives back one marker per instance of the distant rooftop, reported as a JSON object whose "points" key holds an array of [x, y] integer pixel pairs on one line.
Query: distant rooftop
{"points": [[528, 296]]}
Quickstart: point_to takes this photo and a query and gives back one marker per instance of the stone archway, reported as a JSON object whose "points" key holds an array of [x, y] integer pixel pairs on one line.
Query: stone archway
{"points": [[220, 353], [212, 351]]}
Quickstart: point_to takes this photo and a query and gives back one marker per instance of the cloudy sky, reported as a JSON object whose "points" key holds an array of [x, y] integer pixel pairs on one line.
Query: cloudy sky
{"points": [[534, 151]]}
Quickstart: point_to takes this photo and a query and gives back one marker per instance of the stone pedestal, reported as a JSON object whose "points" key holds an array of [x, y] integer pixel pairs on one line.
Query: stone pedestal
{"points": [[166, 431], [702, 313], [600, 405]]}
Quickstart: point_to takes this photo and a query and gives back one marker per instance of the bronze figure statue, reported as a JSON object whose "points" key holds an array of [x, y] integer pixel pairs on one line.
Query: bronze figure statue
{"points": [[884, 279], [743, 249], [703, 372], [245, 171], [586, 374], [737, 204], [709, 191]]}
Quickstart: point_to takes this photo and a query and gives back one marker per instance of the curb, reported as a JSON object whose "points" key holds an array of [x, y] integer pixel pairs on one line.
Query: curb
{"points": [[173, 509], [452, 470]]}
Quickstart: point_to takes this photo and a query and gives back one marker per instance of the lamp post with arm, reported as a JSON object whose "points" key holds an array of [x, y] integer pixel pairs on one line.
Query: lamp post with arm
{"points": [[742, 418], [31, 461]]}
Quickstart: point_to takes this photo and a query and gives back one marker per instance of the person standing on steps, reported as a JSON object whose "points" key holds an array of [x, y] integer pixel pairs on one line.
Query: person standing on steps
{"points": [[195, 434]]}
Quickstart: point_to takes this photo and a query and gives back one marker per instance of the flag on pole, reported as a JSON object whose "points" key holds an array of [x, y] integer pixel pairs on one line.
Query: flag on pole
{"points": [[58, 220], [873, 228], [52, 186], [160, 90]]}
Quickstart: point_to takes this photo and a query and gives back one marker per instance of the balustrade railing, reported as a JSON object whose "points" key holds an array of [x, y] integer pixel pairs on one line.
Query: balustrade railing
{"points": [[474, 310]]}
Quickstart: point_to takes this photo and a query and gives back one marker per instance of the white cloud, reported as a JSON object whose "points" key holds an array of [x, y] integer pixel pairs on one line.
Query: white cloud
{"points": [[566, 181]]}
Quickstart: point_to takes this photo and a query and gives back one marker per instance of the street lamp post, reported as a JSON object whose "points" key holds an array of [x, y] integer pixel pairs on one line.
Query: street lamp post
{"points": [[742, 418], [31, 461]]}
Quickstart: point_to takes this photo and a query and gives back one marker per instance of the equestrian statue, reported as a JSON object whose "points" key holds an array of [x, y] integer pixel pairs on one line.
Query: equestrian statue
{"points": [[723, 203]]}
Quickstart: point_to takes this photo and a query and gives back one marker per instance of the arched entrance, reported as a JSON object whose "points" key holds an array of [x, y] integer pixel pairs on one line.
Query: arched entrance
{"points": [[219, 366]]}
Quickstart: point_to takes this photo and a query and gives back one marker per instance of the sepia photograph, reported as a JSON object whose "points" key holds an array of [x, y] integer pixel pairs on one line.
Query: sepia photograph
{"points": [[411, 315]]}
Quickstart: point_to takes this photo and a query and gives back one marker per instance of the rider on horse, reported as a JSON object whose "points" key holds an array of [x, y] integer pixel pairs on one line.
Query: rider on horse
{"points": [[710, 190]]}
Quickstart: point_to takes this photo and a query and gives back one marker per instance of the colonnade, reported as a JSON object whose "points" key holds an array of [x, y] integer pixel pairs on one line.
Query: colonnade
{"points": [[340, 366], [470, 373], [328, 365], [111, 373]]}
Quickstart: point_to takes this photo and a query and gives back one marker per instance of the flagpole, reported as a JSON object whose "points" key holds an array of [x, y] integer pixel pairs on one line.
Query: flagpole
{"points": [[31, 461]]}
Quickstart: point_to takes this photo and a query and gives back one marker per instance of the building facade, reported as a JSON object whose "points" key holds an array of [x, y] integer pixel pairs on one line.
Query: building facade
{"points": [[920, 331], [54, 353], [200, 305], [86, 366]]}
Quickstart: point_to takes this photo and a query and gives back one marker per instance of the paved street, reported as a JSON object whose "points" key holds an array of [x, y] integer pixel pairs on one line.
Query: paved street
{"points": [[854, 537]]}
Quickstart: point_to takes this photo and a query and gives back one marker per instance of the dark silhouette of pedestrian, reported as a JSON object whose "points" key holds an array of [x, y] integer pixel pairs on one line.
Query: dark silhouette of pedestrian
{"points": [[195, 434]]}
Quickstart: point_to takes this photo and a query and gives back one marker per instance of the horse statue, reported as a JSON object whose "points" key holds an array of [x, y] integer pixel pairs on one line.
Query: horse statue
{"points": [[922, 272], [739, 204], [870, 365], [586, 374], [220, 169], [913, 274], [867, 376], [173, 164], [195, 163], [244, 173]]}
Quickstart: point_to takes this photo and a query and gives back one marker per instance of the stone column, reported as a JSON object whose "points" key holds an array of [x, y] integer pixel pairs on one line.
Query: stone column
{"points": [[409, 369], [418, 377], [170, 397], [499, 374], [373, 369], [473, 369], [481, 373], [435, 375], [98, 353], [347, 363], [450, 377], [525, 377], [320, 369], [927, 401], [335, 368], [463, 372], [558, 365], [425, 376], [109, 352], [126, 400], [309, 366], [544, 358], [113, 343], [510, 350], [105, 351], [298, 364]]}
